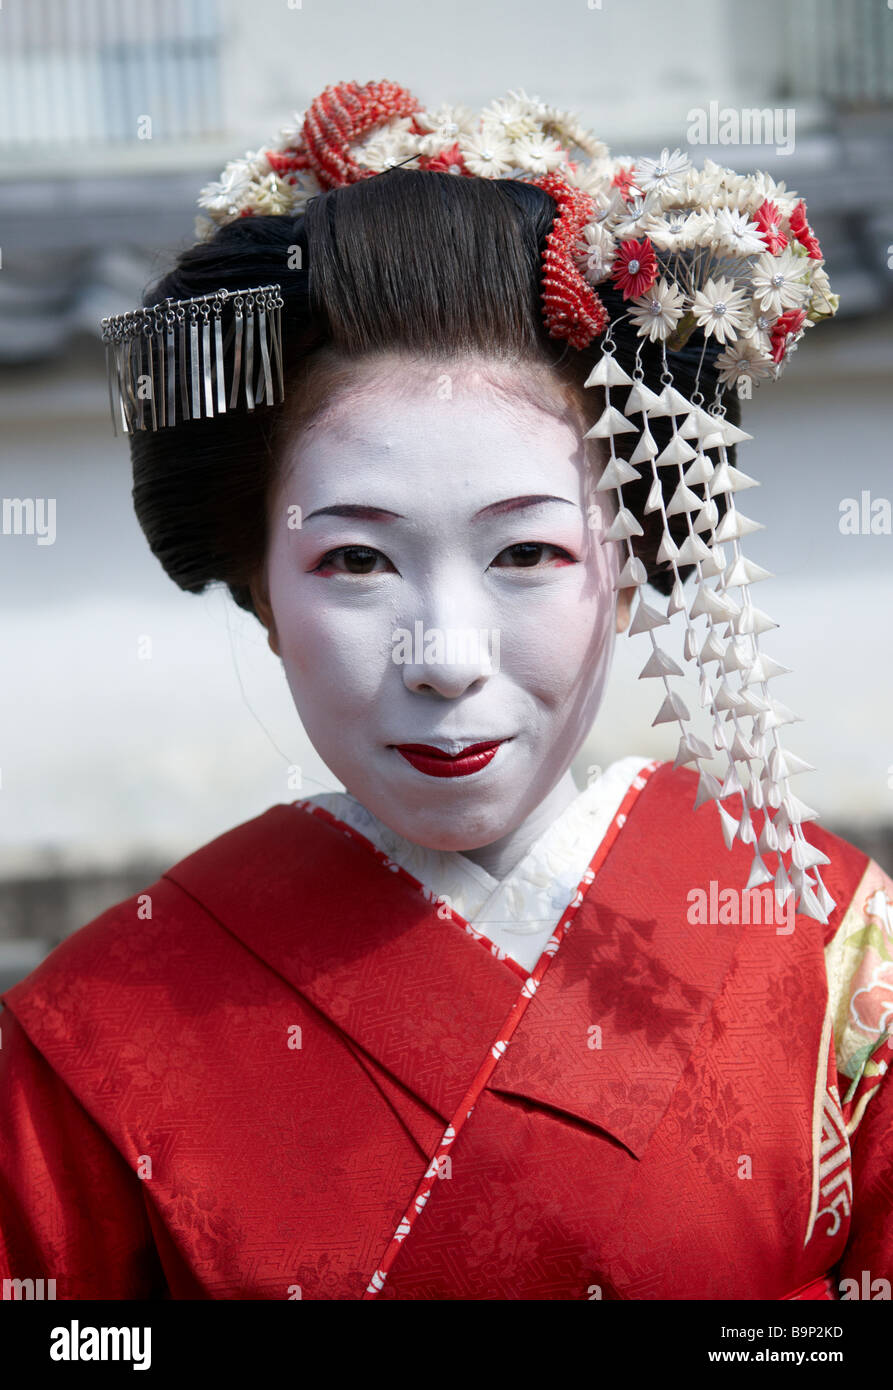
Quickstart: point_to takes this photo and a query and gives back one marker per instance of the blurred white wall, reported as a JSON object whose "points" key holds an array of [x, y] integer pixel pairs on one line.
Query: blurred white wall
{"points": [[631, 68]]}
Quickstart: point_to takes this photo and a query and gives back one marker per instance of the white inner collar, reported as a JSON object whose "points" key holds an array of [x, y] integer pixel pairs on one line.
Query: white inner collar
{"points": [[519, 912]]}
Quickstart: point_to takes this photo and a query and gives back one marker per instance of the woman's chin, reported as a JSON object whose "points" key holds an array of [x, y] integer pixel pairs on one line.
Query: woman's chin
{"points": [[443, 828], [448, 839], [445, 813]]}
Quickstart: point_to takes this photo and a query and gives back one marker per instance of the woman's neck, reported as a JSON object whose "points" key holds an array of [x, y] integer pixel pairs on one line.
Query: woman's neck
{"points": [[500, 857]]}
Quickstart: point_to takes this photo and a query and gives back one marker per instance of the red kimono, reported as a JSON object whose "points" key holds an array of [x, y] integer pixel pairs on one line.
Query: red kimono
{"points": [[280, 1073]]}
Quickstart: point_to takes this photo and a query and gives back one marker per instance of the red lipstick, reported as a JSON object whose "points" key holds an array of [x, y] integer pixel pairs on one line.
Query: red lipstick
{"points": [[436, 763]]}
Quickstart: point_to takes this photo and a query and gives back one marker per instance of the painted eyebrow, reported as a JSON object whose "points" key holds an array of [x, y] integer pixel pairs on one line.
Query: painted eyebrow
{"points": [[358, 512], [508, 504], [515, 504]]}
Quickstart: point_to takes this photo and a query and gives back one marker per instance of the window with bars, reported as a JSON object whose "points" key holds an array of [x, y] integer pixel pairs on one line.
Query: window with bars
{"points": [[89, 72], [838, 51]]}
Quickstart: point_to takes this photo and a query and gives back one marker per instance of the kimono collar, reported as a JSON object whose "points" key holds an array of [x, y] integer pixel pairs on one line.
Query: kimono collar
{"points": [[519, 912], [365, 947]]}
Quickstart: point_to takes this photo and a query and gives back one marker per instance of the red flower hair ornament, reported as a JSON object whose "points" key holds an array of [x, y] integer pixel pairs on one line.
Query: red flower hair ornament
{"points": [[635, 269], [571, 309]]}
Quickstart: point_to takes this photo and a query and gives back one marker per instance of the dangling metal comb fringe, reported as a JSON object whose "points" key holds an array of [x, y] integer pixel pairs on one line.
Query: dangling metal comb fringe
{"points": [[177, 349]]}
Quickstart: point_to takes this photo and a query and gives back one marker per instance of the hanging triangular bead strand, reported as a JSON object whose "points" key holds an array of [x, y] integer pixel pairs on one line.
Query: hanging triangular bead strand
{"points": [[617, 472], [776, 766], [707, 432], [693, 551]]}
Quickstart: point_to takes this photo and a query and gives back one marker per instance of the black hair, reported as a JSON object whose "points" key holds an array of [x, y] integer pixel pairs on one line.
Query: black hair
{"points": [[419, 261]]}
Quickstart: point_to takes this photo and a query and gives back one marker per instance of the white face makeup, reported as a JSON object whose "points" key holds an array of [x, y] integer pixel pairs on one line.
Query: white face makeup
{"points": [[460, 534]]}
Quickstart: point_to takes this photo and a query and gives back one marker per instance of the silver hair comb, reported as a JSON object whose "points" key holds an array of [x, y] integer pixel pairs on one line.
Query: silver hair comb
{"points": [[177, 350]]}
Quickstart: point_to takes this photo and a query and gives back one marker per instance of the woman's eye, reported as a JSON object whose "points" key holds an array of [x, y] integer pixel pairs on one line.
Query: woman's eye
{"points": [[354, 559], [365, 559], [530, 555]]}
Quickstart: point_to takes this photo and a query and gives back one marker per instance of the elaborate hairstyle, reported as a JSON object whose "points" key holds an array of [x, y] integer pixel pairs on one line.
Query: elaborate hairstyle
{"points": [[492, 244]]}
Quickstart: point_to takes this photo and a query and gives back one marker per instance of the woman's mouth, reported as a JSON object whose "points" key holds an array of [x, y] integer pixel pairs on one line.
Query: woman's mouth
{"points": [[434, 762]]}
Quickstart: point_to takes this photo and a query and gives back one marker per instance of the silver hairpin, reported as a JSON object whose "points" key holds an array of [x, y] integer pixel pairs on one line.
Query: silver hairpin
{"points": [[147, 351]]}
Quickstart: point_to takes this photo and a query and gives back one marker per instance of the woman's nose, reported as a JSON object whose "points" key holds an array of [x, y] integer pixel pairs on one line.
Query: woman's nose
{"points": [[446, 660]]}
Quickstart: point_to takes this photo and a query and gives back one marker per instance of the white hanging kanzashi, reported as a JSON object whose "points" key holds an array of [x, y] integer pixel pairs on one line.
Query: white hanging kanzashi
{"points": [[760, 810]]}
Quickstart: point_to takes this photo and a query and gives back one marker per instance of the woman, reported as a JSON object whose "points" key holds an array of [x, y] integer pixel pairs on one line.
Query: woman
{"points": [[464, 1031]]}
